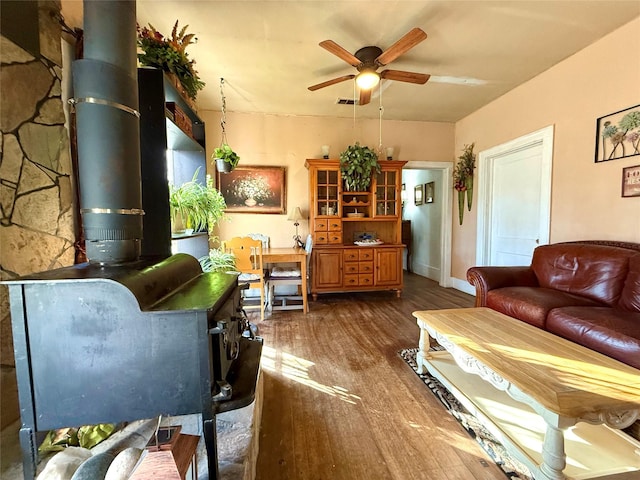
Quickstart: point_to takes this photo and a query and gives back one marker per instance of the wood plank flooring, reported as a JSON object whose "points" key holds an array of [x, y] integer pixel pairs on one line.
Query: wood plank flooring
{"points": [[340, 403]]}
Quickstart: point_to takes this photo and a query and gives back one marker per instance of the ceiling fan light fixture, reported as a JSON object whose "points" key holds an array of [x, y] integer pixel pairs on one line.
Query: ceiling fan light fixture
{"points": [[367, 79]]}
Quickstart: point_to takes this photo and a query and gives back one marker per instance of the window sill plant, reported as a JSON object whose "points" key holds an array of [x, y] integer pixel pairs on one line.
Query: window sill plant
{"points": [[357, 165]]}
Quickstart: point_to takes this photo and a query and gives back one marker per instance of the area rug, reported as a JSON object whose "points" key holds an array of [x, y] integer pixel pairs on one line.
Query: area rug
{"points": [[513, 469]]}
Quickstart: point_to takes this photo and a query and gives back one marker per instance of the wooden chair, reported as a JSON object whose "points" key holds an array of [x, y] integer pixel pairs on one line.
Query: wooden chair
{"points": [[288, 276], [248, 254]]}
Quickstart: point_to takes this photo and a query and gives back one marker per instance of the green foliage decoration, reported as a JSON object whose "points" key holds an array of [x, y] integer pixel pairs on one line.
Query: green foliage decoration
{"points": [[225, 152], [87, 436], [201, 206], [218, 261], [169, 54], [357, 165]]}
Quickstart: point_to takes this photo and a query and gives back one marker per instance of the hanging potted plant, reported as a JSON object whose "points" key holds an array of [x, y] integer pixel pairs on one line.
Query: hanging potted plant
{"points": [[463, 178], [194, 206], [357, 165], [226, 159]]}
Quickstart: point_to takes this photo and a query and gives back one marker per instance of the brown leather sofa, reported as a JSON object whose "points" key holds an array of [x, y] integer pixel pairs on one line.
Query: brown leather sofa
{"points": [[587, 292]]}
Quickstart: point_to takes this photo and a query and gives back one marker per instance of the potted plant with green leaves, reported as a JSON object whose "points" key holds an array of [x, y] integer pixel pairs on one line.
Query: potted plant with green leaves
{"points": [[357, 164], [196, 206], [218, 261], [226, 159]]}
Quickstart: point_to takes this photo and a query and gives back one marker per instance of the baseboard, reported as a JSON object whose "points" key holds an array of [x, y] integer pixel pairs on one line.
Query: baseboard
{"points": [[463, 286], [427, 271]]}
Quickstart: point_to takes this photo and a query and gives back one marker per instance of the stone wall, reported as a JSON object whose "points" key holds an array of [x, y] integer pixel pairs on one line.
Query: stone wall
{"points": [[36, 224]]}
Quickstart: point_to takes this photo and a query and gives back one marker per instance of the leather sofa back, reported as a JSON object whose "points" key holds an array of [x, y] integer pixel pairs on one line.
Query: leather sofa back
{"points": [[597, 272], [630, 298]]}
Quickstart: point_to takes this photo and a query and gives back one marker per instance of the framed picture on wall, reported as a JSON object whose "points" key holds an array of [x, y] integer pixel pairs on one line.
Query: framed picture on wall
{"points": [[618, 135], [418, 193], [429, 192], [631, 181], [254, 189]]}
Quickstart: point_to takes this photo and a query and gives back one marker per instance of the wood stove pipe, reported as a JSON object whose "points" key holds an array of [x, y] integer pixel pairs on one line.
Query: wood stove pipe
{"points": [[106, 100]]}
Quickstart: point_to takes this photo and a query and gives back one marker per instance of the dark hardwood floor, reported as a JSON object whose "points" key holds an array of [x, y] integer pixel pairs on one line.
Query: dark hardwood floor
{"points": [[340, 403]]}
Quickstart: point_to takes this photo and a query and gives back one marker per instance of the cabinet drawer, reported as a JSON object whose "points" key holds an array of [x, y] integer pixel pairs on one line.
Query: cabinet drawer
{"points": [[334, 225], [351, 267], [364, 280], [365, 254], [321, 238], [335, 238], [365, 267], [320, 225], [350, 281], [351, 256]]}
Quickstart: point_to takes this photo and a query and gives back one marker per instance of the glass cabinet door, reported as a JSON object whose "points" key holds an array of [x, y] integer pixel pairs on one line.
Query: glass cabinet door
{"points": [[327, 192], [386, 194]]}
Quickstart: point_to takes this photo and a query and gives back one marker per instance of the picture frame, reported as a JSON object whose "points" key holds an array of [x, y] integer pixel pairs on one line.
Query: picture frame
{"points": [[618, 135], [631, 181], [429, 192], [418, 194], [254, 189]]}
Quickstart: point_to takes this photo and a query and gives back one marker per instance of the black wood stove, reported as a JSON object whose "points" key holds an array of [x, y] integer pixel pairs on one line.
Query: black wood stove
{"points": [[110, 344]]}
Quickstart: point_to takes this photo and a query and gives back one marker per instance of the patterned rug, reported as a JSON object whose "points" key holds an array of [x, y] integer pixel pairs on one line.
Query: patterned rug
{"points": [[513, 469]]}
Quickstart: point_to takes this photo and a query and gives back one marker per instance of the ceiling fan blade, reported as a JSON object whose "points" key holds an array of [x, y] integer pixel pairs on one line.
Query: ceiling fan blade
{"points": [[330, 82], [365, 97], [407, 42], [338, 51], [401, 76]]}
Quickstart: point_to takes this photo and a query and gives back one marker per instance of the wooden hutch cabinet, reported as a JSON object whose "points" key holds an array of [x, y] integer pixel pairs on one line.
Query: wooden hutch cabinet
{"points": [[339, 218]]}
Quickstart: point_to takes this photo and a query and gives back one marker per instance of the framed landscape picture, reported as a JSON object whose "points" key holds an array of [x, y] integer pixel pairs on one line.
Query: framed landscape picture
{"points": [[254, 189], [618, 135]]}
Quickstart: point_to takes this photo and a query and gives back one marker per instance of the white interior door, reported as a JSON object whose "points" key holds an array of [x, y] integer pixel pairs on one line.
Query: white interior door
{"points": [[514, 199]]}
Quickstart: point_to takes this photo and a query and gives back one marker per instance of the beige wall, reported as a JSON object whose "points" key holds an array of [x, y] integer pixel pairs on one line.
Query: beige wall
{"points": [[262, 139], [586, 203]]}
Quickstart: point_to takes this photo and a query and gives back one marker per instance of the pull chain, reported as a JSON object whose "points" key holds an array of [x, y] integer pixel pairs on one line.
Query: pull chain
{"points": [[381, 111], [223, 120]]}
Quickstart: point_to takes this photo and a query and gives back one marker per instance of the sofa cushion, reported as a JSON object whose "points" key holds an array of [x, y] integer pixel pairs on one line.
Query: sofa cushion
{"points": [[597, 272], [630, 298], [532, 304], [612, 332]]}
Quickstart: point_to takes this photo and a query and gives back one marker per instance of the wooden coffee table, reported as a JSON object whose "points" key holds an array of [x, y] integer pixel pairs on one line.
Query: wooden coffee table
{"points": [[556, 406]]}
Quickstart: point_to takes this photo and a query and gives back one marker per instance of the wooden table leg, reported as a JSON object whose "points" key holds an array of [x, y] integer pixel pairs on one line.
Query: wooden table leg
{"points": [[303, 271]]}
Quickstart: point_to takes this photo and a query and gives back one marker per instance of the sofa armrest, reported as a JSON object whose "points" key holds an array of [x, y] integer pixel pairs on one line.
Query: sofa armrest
{"points": [[485, 279]]}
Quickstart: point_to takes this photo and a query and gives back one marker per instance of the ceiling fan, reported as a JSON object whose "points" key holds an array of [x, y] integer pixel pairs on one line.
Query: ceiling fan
{"points": [[368, 59]]}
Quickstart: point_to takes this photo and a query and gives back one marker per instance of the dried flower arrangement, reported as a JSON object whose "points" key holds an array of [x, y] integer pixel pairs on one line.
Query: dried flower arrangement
{"points": [[169, 54], [463, 178]]}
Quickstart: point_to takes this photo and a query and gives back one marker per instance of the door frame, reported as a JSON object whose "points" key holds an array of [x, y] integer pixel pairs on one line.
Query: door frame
{"points": [[487, 159], [447, 216]]}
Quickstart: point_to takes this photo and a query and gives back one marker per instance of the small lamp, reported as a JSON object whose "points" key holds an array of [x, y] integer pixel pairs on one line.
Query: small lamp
{"points": [[325, 151], [295, 217], [389, 153]]}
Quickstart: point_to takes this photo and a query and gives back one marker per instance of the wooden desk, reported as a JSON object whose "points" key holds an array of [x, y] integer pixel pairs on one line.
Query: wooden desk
{"points": [[552, 386], [290, 255]]}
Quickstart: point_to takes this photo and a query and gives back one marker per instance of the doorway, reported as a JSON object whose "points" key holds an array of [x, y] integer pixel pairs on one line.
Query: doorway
{"points": [[443, 203], [514, 199]]}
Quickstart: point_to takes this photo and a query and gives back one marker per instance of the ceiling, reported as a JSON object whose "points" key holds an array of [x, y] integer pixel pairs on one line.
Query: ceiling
{"points": [[476, 51]]}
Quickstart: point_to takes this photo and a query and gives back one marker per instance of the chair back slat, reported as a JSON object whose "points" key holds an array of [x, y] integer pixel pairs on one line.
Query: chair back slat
{"points": [[247, 252]]}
